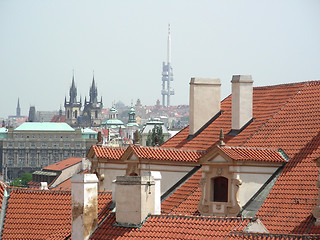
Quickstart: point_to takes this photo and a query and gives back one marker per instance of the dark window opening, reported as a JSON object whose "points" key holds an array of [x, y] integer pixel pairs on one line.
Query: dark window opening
{"points": [[219, 187]]}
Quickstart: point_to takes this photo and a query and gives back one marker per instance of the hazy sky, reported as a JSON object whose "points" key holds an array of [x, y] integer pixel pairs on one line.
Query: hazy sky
{"points": [[125, 42]]}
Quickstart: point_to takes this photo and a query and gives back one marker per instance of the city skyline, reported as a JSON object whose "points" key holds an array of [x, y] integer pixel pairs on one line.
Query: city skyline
{"points": [[125, 43]]}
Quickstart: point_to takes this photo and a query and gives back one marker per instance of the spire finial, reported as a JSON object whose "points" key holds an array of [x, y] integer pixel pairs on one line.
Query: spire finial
{"points": [[221, 137]]}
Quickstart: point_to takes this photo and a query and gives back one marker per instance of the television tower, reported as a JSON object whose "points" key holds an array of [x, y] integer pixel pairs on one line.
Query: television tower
{"points": [[167, 75]]}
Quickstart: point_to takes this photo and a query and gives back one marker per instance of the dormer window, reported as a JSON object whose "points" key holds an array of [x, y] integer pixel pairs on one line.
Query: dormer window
{"points": [[225, 169], [219, 189]]}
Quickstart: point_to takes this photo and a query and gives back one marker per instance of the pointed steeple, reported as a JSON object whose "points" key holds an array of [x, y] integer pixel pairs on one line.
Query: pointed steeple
{"points": [[18, 112], [73, 91], [93, 92]]}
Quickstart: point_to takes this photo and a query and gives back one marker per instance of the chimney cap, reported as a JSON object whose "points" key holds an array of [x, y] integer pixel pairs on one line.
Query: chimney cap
{"points": [[242, 79], [84, 178], [205, 81]]}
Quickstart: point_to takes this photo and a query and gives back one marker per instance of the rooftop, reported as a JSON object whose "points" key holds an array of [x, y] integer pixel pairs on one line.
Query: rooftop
{"points": [[45, 127]]}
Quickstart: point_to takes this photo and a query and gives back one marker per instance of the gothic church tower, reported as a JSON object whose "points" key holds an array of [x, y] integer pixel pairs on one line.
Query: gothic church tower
{"points": [[72, 107], [92, 108]]}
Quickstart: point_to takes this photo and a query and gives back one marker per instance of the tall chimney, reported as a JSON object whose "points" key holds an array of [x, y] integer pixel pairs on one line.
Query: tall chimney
{"points": [[242, 97], [84, 210], [134, 199], [204, 102]]}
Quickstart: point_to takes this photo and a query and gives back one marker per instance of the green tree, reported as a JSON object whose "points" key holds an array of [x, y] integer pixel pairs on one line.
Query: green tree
{"points": [[23, 181], [156, 133]]}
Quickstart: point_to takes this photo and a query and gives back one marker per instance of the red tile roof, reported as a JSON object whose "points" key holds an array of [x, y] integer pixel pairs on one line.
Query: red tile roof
{"points": [[254, 154], [59, 166], [151, 153], [267, 101], [39, 214], [58, 118], [266, 236], [156, 153], [2, 189], [185, 199], [107, 153], [287, 117], [172, 227]]}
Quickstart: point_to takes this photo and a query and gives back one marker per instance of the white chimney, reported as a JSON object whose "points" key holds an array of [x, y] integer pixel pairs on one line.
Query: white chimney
{"points": [[157, 190], [204, 102], [242, 97], [134, 199], [84, 210]]}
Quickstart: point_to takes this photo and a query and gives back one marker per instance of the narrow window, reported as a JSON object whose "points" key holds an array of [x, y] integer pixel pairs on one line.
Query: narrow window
{"points": [[75, 113], [219, 187]]}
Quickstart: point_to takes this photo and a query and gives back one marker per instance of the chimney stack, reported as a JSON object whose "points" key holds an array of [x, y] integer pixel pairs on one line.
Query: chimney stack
{"points": [[204, 102], [157, 190], [134, 199], [242, 98], [84, 210]]}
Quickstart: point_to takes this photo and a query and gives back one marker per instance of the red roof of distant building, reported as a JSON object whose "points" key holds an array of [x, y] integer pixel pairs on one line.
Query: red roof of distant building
{"points": [[59, 166], [58, 118]]}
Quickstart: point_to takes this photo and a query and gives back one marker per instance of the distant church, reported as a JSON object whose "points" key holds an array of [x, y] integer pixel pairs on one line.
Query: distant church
{"points": [[91, 114]]}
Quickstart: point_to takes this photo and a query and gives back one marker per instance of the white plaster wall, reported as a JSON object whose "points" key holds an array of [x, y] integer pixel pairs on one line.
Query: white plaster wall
{"points": [[109, 176], [170, 174], [251, 183]]}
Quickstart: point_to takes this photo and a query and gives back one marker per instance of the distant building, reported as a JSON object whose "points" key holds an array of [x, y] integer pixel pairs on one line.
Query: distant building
{"points": [[34, 145], [148, 128], [91, 114]]}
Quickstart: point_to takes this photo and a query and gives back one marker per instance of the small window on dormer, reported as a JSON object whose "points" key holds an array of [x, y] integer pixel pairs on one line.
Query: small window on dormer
{"points": [[219, 188]]}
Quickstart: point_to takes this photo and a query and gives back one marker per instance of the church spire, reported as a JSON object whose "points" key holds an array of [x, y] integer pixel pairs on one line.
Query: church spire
{"points": [[73, 91], [93, 91], [18, 112]]}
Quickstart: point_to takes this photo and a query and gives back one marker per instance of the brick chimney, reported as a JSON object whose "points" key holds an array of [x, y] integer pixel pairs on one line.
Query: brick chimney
{"points": [[134, 199], [84, 209], [204, 102], [242, 97]]}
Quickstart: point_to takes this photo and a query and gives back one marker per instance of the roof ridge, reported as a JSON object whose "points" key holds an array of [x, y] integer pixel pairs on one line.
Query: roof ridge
{"points": [[200, 217], [307, 236], [287, 84]]}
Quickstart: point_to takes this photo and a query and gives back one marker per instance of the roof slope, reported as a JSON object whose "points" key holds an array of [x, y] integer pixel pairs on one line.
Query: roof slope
{"points": [[106, 153], [172, 227], [267, 101], [287, 117], [59, 166], [38, 214], [44, 126], [156, 153]]}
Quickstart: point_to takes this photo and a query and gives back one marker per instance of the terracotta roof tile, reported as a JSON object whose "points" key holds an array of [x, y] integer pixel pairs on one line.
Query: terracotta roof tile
{"points": [[156, 153], [254, 154], [39, 214], [108, 153], [287, 117], [59, 166], [171, 227]]}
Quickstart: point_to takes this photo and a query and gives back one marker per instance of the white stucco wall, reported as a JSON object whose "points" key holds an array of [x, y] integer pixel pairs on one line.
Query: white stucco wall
{"points": [[252, 179]]}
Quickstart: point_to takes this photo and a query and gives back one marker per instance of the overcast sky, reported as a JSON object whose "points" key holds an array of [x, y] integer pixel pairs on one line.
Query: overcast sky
{"points": [[125, 42]]}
